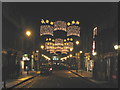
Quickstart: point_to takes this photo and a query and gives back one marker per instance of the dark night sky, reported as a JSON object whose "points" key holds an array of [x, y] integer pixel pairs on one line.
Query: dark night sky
{"points": [[18, 16]]}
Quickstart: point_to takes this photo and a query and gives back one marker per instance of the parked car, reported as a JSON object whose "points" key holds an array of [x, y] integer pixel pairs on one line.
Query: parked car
{"points": [[46, 69]]}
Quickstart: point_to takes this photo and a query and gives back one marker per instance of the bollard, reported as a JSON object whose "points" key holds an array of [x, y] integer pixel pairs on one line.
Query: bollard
{"points": [[4, 84], [27, 72], [81, 72]]}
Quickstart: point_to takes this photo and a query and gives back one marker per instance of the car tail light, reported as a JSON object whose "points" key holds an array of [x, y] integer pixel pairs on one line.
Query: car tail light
{"points": [[114, 76], [50, 69]]}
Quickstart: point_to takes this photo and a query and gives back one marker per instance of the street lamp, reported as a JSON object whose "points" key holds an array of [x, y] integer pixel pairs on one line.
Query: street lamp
{"points": [[81, 52], [116, 47], [77, 42], [37, 51], [42, 46], [28, 33]]}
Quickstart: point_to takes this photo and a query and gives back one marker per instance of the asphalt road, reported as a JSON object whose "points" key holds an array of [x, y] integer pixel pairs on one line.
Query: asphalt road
{"points": [[58, 79]]}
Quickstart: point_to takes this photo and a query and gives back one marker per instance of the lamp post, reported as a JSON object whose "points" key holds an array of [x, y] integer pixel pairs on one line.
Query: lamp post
{"points": [[28, 33], [77, 57], [117, 48], [40, 54]]}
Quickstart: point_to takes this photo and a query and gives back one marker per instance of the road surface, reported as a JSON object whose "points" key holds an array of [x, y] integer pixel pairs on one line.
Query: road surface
{"points": [[58, 79]]}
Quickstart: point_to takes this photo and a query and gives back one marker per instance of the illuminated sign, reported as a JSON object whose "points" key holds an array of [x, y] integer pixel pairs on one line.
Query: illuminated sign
{"points": [[55, 58]]}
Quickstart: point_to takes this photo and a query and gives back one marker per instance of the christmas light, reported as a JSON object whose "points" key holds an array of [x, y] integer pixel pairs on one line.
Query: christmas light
{"points": [[73, 30], [47, 21], [68, 39], [46, 30], [71, 39], [64, 40], [46, 39], [73, 22], [68, 23], [60, 25], [58, 44], [77, 22], [51, 23], [42, 21]]}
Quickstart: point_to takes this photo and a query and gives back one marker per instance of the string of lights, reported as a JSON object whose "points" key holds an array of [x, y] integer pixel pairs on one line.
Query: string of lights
{"points": [[58, 44]]}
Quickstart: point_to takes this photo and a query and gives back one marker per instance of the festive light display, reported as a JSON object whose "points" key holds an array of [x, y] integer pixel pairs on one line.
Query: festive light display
{"points": [[46, 57], [73, 22], [70, 44], [68, 23], [94, 32], [42, 21], [94, 42], [46, 30], [77, 22], [47, 21], [73, 30], [51, 23], [59, 45], [60, 25], [58, 41]]}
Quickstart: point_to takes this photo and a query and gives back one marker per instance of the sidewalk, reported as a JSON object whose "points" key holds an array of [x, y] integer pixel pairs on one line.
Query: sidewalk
{"points": [[88, 76], [23, 77]]}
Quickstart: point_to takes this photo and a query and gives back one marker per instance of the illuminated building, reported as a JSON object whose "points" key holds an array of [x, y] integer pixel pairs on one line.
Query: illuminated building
{"points": [[94, 42]]}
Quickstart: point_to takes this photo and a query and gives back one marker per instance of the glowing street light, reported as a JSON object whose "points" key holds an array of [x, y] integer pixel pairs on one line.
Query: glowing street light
{"points": [[94, 53], [116, 47], [77, 42], [80, 51], [37, 51], [42, 47], [28, 33]]}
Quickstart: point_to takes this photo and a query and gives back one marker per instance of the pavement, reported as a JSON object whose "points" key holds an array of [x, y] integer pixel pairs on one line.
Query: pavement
{"points": [[89, 76], [24, 77]]}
